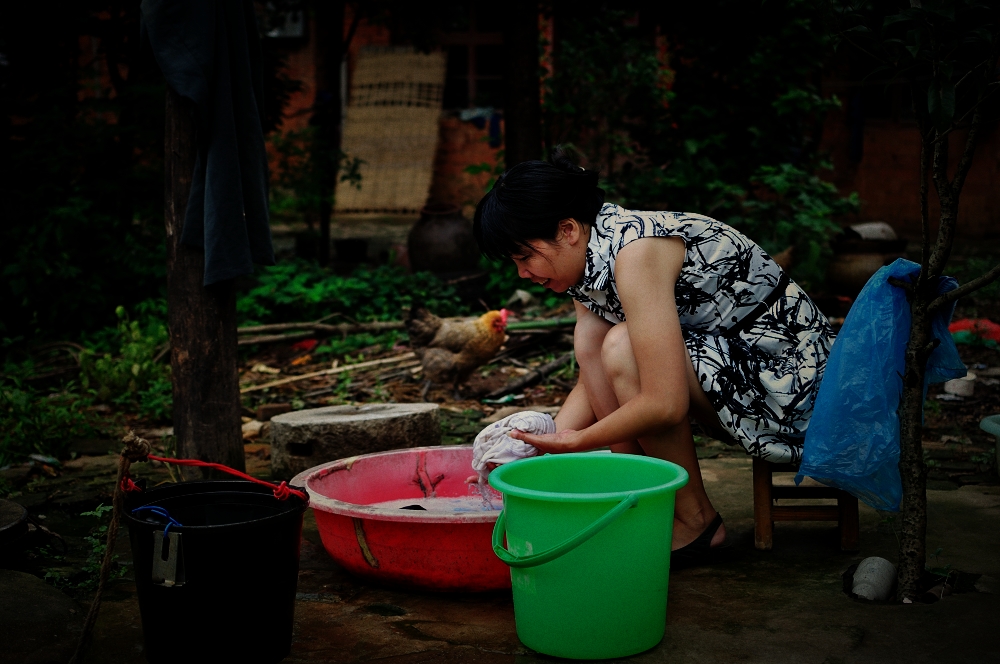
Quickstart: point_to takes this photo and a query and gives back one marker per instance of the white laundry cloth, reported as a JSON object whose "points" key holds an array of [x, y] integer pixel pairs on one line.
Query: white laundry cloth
{"points": [[493, 445]]}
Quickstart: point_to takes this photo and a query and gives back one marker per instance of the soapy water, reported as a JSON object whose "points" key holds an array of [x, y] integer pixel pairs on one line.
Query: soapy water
{"points": [[480, 501], [484, 493]]}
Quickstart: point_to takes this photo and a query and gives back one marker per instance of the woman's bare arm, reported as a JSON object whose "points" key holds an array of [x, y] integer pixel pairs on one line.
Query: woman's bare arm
{"points": [[576, 412]]}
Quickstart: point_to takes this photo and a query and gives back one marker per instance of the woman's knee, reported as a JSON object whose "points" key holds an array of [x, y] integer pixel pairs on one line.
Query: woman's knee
{"points": [[616, 354], [588, 340]]}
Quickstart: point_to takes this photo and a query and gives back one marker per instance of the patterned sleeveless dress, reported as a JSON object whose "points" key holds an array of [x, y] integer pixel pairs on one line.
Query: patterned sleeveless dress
{"points": [[758, 343]]}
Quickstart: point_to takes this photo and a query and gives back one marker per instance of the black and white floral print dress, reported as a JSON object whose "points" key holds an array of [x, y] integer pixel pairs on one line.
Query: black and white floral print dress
{"points": [[758, 343]]}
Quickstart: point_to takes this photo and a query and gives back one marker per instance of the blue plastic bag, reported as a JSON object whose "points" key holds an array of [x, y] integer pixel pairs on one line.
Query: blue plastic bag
{"points": [[853, 438]]}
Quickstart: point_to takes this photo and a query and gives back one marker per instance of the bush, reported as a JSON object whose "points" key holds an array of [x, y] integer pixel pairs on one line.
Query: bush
{"points": [[131, 368], [712, 108], [298, 290], [33, 423], [789, 207], [130, 372], [503, 281]]}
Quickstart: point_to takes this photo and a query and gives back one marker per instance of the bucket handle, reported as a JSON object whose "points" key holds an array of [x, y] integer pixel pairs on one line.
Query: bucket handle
{"points": [[563, 547]]}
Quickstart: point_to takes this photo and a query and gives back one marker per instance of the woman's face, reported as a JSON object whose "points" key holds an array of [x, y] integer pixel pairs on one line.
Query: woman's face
{"points": [[559, 263]]}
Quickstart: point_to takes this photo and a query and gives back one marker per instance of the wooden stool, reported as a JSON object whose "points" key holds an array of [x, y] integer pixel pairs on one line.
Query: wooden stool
{"points": [[765, 512]]}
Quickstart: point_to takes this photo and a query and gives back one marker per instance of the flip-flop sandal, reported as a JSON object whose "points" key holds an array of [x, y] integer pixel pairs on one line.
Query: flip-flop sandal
{"points": [[700, 551]]}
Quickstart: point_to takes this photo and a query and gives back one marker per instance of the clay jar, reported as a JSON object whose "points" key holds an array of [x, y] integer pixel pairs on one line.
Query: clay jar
{"points": [[860, 252], [442, 242]]}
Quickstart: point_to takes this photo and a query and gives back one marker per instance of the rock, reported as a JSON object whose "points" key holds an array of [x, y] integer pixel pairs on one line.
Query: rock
{"points": [[37, 622], [307, 438], [962, 387], [251, 429], [874, 579]]}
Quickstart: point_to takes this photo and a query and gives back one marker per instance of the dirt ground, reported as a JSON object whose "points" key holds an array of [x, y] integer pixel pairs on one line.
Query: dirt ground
{"points": [[786, 605]]}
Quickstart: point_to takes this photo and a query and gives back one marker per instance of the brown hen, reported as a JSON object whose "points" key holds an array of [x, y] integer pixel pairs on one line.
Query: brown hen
{"points": [[450, 349]]}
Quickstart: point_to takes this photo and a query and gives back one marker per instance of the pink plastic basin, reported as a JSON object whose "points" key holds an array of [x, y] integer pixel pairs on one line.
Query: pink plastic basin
{"points": [[446, 549]]}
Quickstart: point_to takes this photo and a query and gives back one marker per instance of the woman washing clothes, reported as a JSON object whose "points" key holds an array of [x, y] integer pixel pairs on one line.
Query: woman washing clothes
{"points": [[677, 314]]}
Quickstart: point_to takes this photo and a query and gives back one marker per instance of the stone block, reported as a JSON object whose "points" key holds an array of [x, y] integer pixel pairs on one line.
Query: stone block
{"points": [[37, 622], [307, 438]]}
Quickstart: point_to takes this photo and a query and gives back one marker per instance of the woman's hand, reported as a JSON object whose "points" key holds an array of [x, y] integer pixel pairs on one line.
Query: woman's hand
{"points": [[566, 440]]}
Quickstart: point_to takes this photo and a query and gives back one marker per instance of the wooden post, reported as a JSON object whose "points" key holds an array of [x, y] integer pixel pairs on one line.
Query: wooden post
{"points": [[202, 319], [763, 525], [522, 104], [850, 525], [329, 17]]}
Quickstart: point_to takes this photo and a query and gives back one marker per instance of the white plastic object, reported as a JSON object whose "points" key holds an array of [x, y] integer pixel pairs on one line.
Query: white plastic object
{"points": [[874, 230], [874, 578], [962, 387]]}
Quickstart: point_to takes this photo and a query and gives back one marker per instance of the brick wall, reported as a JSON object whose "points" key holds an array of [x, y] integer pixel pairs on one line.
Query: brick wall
{"points": [[887, 176]]}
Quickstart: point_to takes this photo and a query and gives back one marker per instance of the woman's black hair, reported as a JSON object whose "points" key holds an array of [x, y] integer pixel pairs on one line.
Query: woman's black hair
{"points": [[529, 200]]}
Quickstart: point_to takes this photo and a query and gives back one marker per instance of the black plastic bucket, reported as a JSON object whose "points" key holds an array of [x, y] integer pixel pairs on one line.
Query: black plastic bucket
{"points": [[227, 591]]}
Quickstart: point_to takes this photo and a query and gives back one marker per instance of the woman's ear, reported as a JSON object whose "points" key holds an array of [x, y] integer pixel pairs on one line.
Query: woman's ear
{"points": [[570, 230]]}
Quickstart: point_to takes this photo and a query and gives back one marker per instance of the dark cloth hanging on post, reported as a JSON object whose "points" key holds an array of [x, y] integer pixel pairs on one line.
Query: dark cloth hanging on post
{"points": [[209, 52]]}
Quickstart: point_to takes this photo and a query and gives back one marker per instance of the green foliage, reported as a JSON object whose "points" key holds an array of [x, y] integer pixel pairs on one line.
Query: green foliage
{"points": [[156, 401], [789, 207], [34, 423], [495, 170], [301, 173], [90, 573], [977, 266], [81, 172], [503, 280], [130, 370], [946, 50], [298, 290], [607, 87], [718, 111], [81, 175]]}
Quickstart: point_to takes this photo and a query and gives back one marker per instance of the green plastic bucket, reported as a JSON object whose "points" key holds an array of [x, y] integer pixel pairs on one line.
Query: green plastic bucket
{"points": [[588, 544]]}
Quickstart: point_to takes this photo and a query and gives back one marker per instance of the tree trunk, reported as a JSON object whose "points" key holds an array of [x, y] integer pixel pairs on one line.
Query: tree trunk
{"points": [[522, 103], [912, 470], [327, 110], [202, 319]]}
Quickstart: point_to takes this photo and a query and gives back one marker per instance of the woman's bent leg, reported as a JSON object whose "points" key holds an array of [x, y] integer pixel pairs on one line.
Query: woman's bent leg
{"points": [[693, 511], [588, 342]]}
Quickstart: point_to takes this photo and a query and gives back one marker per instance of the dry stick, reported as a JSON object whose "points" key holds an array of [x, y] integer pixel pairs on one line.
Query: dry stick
{"points": [[349, 328], [381, 326], [310, 329], [531, 376], [328, 372], [274, 338], [136, 449]]}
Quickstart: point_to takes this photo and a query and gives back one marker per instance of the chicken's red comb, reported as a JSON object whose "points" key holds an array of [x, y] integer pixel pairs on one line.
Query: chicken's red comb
{"points": [[503, 316]]}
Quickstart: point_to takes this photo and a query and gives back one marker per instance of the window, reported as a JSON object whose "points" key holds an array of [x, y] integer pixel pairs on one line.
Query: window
{"points": [[474, 45]]}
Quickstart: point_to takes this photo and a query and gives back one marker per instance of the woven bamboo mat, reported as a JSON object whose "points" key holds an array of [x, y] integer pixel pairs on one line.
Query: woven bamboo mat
{"points": [[392, 126]]}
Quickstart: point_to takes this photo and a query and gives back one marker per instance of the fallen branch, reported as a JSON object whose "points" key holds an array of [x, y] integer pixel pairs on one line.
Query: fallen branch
{"points": [[306, 330], [532, 376], [328, 372], [310, 330], [341, 328], [274, 338], [540, 324]]}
